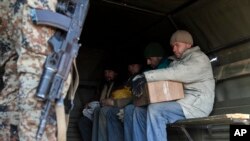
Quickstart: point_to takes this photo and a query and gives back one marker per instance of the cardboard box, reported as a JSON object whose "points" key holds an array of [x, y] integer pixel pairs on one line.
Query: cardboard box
{"points": [[160, 91]]}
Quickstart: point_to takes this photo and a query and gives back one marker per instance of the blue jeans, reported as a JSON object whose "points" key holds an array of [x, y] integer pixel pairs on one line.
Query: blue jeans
{"points": [[118, 131], [114, 125], [95, 124], [99, 131], [102, 129], [128, 122], [85, 127], [150, 125], [139, 125]]}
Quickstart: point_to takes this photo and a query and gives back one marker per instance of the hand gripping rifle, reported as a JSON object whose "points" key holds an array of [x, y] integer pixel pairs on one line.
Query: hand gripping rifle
{"points": [[69, 19]]}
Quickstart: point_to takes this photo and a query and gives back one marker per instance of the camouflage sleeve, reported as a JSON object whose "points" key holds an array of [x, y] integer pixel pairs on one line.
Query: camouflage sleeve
{"points": [[5, 52], [1, 80], [6, 28]]}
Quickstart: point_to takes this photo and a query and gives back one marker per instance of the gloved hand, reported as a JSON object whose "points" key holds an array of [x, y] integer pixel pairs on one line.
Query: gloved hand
{"points": [[89, 109], [138, 85]]}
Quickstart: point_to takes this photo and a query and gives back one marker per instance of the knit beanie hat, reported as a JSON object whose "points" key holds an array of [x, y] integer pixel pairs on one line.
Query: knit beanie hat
{"points": [[181, 36], [154, 50]]}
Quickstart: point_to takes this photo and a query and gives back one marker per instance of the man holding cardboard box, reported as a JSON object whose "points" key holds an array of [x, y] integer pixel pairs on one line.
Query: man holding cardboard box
{"points": [[190, 67]]}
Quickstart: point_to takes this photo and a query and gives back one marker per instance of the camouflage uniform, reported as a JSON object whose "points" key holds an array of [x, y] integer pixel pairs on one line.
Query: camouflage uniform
{"points": [[23, 50]]}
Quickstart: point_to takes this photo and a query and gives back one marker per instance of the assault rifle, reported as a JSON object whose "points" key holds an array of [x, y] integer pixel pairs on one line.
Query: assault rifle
{"points": [[69, 19]]}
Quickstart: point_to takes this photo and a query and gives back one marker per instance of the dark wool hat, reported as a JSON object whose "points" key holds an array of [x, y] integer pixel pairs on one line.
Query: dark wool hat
{"points": [[111, 66], [154, 50]]}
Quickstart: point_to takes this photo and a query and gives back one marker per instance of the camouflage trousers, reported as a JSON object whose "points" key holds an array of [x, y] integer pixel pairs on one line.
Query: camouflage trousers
{"points": [[23, 50]]}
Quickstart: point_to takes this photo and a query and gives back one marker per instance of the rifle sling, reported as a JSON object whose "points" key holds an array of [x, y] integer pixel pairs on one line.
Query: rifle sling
{"points": [[61, 123], [62, 118]]}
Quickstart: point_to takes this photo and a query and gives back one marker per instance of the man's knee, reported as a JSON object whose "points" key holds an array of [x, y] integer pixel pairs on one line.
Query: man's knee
{"points": [[154, 110], [104, 110], [112, 113], [129, 109], [140, 111]]}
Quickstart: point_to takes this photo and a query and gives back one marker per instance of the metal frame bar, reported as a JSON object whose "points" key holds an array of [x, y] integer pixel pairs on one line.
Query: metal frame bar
{"points": [[184, 130]]}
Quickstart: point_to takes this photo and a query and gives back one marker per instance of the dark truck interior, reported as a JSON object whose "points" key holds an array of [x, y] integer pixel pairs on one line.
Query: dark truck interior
{"points": [[120, 29]]}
